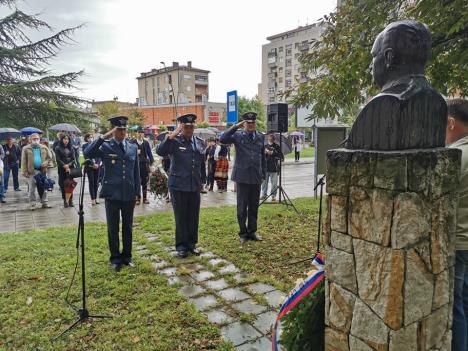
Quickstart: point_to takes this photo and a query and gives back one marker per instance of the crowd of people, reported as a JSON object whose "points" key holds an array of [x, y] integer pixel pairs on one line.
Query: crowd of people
{"points": [[33, 156]]}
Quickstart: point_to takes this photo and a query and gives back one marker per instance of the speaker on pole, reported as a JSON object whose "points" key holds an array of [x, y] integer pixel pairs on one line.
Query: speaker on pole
{"points": [[277, 118]]}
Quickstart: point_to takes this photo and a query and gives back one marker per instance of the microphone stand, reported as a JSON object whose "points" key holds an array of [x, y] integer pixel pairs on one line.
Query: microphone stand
{"points": [[83, 313]]}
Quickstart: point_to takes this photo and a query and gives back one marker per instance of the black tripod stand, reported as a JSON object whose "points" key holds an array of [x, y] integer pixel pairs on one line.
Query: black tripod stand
{"points": [[83, 313], [283, 198]]}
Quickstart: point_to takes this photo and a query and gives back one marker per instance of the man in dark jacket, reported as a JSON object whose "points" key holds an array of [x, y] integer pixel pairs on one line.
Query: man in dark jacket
{"points": [[120, 187], [186, 178], [145, 159], [11, 162], [249, 172], [273, 156]]}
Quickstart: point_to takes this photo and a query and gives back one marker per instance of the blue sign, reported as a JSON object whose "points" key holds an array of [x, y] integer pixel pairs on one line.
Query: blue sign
{"points": [[231, 107]]}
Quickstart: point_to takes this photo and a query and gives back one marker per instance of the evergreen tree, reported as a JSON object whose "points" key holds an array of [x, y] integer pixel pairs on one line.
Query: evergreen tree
{"points": [[30, 93]]}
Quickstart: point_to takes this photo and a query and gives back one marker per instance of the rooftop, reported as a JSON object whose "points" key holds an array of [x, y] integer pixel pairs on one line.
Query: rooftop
{"points": [[293, 31], [175, 66]]}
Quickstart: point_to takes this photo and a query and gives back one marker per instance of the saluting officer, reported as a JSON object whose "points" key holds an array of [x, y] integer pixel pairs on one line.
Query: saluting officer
{"points": [[249, 172], [186, 178], [120, 187]]}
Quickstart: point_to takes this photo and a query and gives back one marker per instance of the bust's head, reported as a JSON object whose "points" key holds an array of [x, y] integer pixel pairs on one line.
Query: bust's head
{"points": [[402, 48]]}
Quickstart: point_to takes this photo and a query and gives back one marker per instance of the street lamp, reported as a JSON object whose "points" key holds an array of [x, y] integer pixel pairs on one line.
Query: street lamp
{"points": [[172, 89]]}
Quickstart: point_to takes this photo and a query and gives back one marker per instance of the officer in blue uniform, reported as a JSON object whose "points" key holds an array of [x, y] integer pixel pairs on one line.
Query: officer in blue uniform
{"points": [[249, 172], [120, 187], [186, 178]]}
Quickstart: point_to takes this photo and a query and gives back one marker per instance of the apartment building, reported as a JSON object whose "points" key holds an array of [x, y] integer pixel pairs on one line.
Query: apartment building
{"points": [[177, 84], [280, 61]]}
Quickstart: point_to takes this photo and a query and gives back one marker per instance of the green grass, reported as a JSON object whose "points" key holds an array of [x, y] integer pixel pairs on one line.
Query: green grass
{"points": [[306, 152], [148, 314]]}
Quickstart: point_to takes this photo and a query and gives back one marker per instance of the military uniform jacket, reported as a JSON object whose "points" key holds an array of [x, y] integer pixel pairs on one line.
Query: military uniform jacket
{"points": [[250, 162], [187, 172], [121, 180]]}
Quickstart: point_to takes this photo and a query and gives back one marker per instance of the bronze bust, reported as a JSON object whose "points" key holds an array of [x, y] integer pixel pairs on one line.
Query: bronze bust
{"points": [[408, 113]]}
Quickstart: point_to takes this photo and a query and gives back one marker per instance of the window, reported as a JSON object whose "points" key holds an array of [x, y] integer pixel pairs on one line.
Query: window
{"points": [[280, 80], [288, 63], [288, 73], [201, 78], [288, 83], [281, 70], [157, 82], [280, 49], [296, 67], [296, 55], [296, 45], [288, 52], [187, 76], [271, 90], [272, 99], [281, 59]]}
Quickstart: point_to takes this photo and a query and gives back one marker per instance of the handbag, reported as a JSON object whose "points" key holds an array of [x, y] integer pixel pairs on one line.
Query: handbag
{"points": [[76, 172]]}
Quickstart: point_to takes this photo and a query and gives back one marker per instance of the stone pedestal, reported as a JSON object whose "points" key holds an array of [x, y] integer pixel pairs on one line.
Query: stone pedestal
{"points": [[389, 254]]}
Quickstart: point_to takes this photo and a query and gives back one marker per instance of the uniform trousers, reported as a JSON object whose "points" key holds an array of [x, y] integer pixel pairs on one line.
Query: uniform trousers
{"points": [[248, 196], [114, 210], [93, 181], [186, 206]]}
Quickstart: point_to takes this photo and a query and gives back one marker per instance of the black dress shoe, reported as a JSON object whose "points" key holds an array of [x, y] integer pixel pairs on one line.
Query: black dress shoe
{"points": [[195, 251], [182, 254], [255, 237], [116, 267], [243, 239]]}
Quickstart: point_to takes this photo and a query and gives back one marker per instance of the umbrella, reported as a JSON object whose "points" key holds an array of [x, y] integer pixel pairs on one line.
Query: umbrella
{"points": [[9, 133], [65, 127], [286, 146], [296, 133], [31, 130], [153, 127], [134, 128], [204, 133]]}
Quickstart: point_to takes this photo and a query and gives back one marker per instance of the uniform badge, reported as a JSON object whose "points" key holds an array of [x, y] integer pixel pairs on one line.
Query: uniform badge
{"points": [[113, 161]]}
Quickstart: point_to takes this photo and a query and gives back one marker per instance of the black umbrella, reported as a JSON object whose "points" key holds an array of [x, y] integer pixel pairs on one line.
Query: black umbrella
{"points": [[286, 146], [161, 136], [9, 133], [65, 127]]}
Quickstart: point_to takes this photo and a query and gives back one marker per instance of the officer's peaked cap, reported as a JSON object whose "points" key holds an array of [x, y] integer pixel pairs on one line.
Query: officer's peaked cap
{"points": [[189, 118], [249, 116], [119, 121]]}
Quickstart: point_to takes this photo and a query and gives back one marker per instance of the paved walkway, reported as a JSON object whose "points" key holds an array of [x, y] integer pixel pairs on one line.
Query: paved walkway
{"points": [[16, 215], [243, 308]]}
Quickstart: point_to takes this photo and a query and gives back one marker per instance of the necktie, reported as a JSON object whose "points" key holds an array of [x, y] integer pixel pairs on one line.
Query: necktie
{"points": [[122, 147], [251, 136]]}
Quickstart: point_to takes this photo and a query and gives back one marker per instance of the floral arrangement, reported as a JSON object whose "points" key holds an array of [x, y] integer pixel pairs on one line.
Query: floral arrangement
{"points": [[158, 183]]}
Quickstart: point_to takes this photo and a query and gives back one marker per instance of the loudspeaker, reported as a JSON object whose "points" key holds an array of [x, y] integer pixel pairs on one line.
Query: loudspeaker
{"points": [[277, 118]]}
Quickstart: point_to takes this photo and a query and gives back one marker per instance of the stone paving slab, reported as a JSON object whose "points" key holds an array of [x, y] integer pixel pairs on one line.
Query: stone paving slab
{"points": [[262, 344], [239, 333], [265, 321], [230, 268], [274, 298], [260, 288], [219, 317], [204, 302], [249, 306], [233, 295], [216, 284], [203, 275], [192, 290]]}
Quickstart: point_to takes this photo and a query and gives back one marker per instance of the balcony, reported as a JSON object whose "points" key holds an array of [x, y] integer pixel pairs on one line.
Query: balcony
{"points": [[303, 47]]}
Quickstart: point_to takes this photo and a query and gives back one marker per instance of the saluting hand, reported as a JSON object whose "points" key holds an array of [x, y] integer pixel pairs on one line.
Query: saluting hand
{"points": [[110, 133], [240, 124], [176, 131]]}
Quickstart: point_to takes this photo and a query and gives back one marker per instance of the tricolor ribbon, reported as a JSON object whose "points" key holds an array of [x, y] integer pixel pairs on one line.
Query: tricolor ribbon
{"points": [[298, 293]]}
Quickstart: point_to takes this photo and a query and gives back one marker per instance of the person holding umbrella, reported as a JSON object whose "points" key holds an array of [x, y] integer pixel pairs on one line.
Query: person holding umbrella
{"points": [[12, 162], [297, 145]]}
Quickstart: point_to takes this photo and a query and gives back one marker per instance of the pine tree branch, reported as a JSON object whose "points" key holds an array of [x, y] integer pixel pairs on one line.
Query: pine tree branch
{"points": [[12, 28]]}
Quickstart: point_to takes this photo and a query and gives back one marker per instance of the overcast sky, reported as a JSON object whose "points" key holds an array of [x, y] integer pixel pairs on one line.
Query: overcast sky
{"points": [[125, 37]]}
